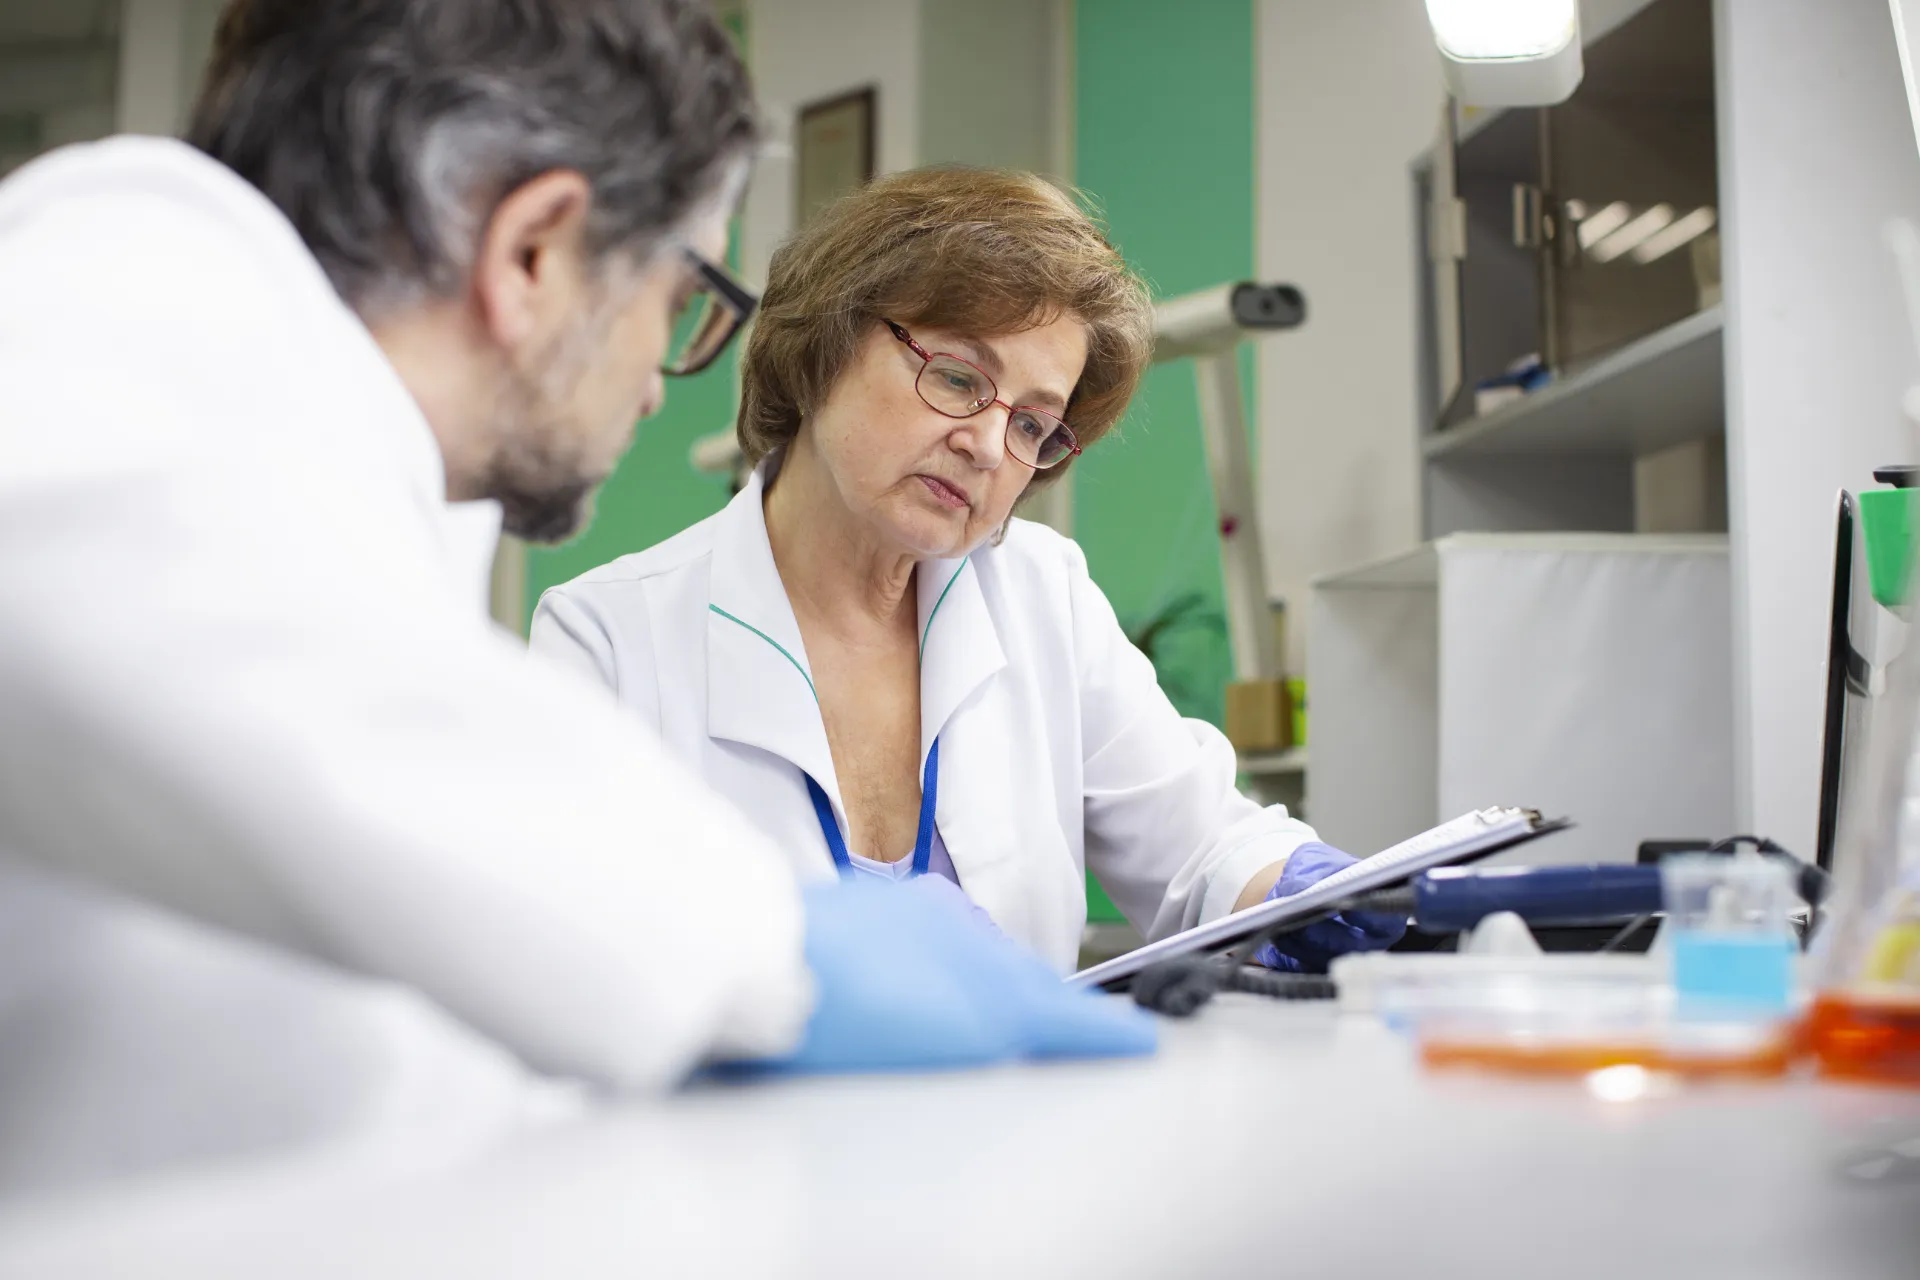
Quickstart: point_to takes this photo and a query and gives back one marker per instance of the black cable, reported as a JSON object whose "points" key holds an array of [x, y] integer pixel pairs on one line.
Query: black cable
{"points": [[1259, 981], [1633, 926], [1809, 881], [1728, 845], [1178, 988]]}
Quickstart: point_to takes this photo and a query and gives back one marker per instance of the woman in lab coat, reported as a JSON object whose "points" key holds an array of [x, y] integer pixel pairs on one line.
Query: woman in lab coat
{"points": [[868, 654]]}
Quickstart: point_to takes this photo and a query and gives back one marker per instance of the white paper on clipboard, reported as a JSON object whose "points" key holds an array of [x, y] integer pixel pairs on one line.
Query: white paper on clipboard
{"points": [[1450, 842]]}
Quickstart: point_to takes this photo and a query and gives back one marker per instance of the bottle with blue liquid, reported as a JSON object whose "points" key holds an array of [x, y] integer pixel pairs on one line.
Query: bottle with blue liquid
{"points": [[1730, 935]]}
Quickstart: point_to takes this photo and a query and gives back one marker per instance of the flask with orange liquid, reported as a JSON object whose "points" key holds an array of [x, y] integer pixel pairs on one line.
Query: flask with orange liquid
{"points": [[1865, 1020], [1866, 1024]]}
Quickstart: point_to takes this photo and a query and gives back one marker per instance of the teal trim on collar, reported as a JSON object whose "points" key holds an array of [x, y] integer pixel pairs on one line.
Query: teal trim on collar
{"points": [[935, 611], [782, 648]]}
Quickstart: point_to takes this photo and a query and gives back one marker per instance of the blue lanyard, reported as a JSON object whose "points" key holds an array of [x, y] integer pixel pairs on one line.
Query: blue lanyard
{"points": [[922, 841]]}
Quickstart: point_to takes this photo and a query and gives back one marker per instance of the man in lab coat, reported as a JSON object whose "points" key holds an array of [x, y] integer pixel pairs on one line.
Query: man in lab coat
{"points": [[296, 853]]}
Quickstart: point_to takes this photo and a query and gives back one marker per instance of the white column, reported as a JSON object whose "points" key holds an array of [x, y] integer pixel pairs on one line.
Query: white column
{"points": [[1816, 152], [153, 93], [1347, 95]]}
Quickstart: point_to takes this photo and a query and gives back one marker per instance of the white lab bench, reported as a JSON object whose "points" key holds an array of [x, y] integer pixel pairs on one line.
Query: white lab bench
{"points": [[1265, 1139]]}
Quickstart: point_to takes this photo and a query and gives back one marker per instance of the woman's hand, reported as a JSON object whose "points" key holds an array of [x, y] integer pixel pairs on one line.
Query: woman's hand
{"points": [[1309, 950]]}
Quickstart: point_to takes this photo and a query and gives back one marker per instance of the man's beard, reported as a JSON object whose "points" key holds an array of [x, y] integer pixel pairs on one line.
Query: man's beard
{"points": [[538, 473], [539, 507]]}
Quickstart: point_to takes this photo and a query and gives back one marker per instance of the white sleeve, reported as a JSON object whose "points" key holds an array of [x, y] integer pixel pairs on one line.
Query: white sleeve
{"points": [[571, 631], [563, 633], [1168, 835], [234, 682]]}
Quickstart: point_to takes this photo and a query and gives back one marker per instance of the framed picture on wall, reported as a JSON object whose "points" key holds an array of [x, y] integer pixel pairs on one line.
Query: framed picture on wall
{"points": [[833, 150]]}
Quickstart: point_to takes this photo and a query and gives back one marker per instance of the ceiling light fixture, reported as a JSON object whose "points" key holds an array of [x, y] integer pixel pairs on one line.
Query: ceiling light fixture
{"points": [[1508, 53]]}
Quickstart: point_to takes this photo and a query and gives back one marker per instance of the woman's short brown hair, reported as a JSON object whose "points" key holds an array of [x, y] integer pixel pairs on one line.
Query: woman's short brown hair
{"points": [[982, 252]]}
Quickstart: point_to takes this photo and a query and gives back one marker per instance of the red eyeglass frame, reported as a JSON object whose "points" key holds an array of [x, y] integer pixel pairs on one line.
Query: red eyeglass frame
{"points": [[926, 359]]}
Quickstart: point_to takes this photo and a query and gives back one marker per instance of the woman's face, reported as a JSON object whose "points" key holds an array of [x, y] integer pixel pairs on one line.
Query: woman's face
{"points": [[934, 486]]}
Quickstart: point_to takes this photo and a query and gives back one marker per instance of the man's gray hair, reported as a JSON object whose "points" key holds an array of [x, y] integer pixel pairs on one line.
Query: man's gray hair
{"points": [[389, 130]]}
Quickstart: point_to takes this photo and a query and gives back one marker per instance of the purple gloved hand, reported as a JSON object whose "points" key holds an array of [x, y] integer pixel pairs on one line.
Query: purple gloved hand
{"points": [[1309, 950]]}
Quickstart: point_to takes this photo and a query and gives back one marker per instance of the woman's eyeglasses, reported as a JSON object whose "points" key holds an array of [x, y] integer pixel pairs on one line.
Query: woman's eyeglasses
{"points": [[958, 388], [719, 309]]}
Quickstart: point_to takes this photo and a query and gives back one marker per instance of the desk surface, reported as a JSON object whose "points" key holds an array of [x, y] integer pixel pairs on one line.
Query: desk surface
{"points": [[1278, 1139]]}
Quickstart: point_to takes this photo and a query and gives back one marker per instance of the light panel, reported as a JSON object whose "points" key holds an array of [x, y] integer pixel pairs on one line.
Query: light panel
{"points": [[1633, 234], [1601, 223], [1680, 231], [1508, 53], [1504, 29]]}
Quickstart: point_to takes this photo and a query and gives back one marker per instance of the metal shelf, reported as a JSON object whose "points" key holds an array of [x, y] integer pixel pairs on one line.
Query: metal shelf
{"points": [[1419, 567], [1268, 764], [1416, 567], [1664, 389]]}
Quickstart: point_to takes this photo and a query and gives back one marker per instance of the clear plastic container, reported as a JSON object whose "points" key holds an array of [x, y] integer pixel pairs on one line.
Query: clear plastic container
{"points": [[1577, 1021], [1507, 1007], [1557, 1014], [1676, 1046]]}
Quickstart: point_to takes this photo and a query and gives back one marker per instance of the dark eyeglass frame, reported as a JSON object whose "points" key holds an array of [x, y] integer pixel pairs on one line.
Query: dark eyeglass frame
{"points": [[735, 307], [926, 361]]}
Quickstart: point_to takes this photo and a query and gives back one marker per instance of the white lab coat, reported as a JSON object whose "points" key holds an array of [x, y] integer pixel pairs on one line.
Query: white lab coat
{"points": [[293, 843], [1058, 750]]}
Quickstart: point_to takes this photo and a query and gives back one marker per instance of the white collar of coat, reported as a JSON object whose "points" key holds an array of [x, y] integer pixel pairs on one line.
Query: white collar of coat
{"points": [[471, 531], [759, 683]]}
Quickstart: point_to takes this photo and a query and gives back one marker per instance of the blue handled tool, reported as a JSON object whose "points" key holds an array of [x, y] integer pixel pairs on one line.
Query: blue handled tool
{"points": [[1451, 899]]}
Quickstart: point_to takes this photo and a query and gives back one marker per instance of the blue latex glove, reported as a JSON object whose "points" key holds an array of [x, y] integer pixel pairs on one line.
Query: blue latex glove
{"points": [[1309, 950], [908, 980], [941, 887]]}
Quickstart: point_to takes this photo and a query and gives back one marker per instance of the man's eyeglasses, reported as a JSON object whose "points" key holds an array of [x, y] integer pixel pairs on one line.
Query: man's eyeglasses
{"points": [[959, 388], [719, 309]]}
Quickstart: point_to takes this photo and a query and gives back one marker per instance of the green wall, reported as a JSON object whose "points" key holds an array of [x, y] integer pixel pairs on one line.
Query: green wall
{"points": [[1163, 136], [1164, 148]]}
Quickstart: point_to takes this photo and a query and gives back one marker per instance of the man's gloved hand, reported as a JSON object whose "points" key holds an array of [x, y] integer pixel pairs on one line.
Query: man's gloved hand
{"points": [[908, 980], [1309, 950]]}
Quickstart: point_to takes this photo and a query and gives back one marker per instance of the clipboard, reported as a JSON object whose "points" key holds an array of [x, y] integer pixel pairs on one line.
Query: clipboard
{"points": [[1467, 838]]}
